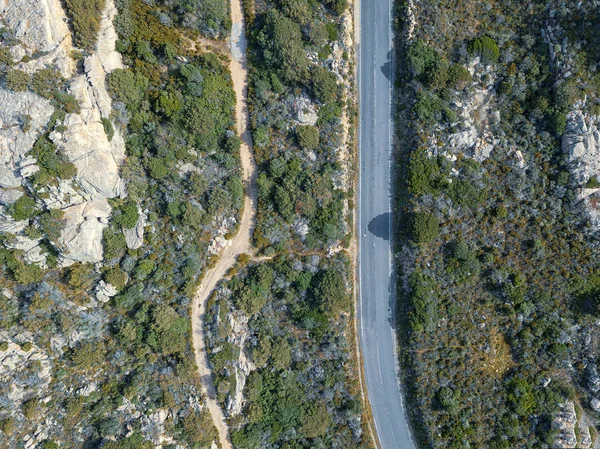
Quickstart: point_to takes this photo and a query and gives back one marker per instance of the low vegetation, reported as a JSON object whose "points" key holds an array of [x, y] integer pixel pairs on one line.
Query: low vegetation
{"points": [[293, 316], [496, 259]]}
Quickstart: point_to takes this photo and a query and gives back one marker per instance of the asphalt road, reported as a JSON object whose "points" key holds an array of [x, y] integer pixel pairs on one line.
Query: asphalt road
{"points": [[377, 301]]}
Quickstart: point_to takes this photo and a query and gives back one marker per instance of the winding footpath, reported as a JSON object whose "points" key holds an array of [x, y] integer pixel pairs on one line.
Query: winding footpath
{"points": [[242, 242]]}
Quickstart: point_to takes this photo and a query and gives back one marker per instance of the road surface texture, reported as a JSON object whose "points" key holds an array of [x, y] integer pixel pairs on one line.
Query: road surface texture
{"points": [[376, 303]]}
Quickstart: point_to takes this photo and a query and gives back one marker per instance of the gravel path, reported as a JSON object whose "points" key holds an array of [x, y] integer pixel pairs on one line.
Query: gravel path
{"points": [[242, 242]]}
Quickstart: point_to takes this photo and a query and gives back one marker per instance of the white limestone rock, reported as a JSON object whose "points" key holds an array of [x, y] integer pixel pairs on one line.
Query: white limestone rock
{"points": [[105, 291], [10, 226], [9, 196], [41, 27], [63, 195], [81, 239], [135, 237], [14, 142], [106, 51], [84, 142]]}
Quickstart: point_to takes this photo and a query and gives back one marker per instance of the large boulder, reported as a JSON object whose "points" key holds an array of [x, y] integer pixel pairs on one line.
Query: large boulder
{"points": [[81, 238]]}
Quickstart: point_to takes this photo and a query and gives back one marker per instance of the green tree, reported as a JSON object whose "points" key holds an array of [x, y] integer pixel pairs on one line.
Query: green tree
{"points": [[308, 136], [330, 292], [486, 48], [424, 227]]}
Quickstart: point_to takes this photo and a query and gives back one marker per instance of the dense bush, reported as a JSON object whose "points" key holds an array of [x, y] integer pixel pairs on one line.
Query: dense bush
{"points": [[497, 297], [85, 19], [301, 391], [486, 48]]}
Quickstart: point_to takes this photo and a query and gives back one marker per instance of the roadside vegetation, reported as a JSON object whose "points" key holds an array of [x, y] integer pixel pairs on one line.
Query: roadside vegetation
{"points": [[296, 105], [497, 259], [282, 328]]}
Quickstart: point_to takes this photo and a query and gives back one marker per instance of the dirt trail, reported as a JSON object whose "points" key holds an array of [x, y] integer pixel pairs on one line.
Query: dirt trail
{"points": [[242, 242]]}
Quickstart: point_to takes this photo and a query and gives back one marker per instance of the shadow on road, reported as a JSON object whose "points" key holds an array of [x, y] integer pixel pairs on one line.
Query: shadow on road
{"points": [[380, 226], [386, 68]]}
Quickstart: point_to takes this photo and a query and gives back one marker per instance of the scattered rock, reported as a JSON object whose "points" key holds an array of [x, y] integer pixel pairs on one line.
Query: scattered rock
{"points": [[105, 291], [306, 113]]}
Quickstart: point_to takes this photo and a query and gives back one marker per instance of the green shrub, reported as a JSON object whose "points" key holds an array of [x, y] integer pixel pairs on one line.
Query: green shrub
{"points": [[128, 87], [428, 107], [459, 77], [17, 80], [67, 102], [114, 244], [25, 208], [128, 216], [567, 94], [115, 277], [158, 169], [486, 48], [85, 17], [424, 227], [51, 223], [261, 136], [420, 58], [7, 425], [308, 137], [28, 274], [80, 276], [337, 6], [6, 57], [324, 85], [330, 292], [48, 83], [3, 346], [27, 346], [89, 356], [109, 130]]}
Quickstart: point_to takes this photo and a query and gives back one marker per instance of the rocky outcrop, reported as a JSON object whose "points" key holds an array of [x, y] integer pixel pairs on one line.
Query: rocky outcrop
{"points": [[242, 367], [43, 35], [41, 27], [135, 237], [84, 140], [581, 144], [9, 196], [14, 141], [474, 137], [81, 239], [305, 111], [18, 372]]}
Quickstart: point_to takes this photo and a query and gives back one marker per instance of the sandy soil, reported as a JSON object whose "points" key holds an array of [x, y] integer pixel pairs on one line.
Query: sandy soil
{"points": [[242, 242]]}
